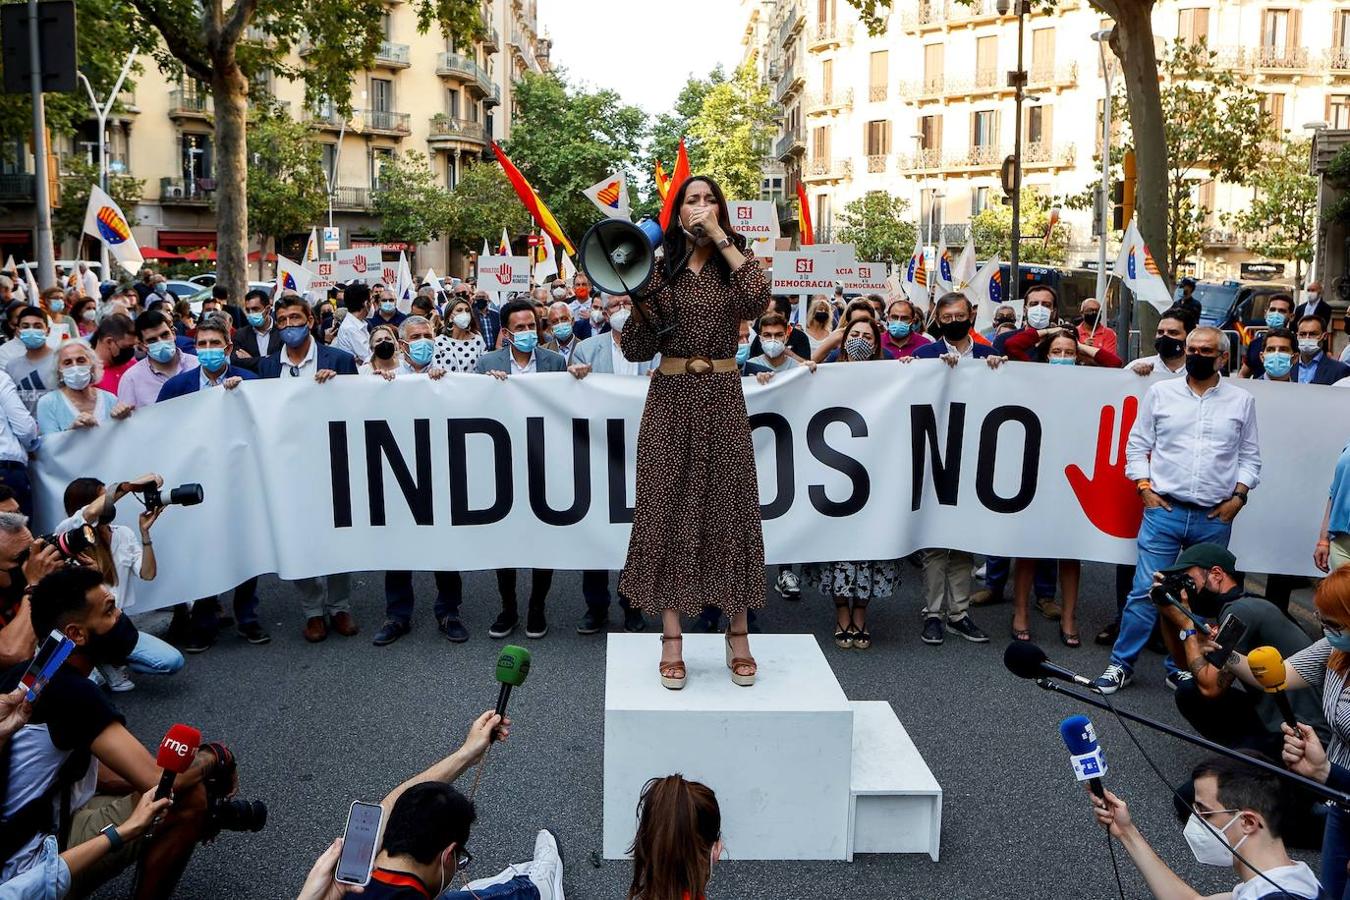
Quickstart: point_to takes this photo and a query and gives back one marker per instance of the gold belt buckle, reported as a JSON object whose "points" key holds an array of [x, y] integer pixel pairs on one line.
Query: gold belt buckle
{"points": [[698, 365]]}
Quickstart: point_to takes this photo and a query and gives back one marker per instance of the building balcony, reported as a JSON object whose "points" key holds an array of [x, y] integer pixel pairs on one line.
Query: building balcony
{"points": [[978, 157], [1045, 155], [1053, 77], [925, 17], [827, 36], [186, 192], [352, 199], [17, 188], [385, 121], [393, 56], [878, 163], [457, 65], [790, 83], [983, 82], [828, 170], [792, 25], [923, 89], [1265, 60], [1220, 238], [789, 145], [878, 92], [491, 40], [828, 102], [445, 131], [327, 120], [929, 159], [190, 105], [1336, 60]]}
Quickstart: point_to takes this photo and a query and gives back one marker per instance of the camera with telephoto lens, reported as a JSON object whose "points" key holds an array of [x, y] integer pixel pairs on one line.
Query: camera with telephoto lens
{"points": [[70, 544], [154, 497], [222, 812], [1168, 591]]}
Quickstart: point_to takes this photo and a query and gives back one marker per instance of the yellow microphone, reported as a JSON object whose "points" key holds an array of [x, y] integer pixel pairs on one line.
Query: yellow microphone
{"points": [[1268, 669]]}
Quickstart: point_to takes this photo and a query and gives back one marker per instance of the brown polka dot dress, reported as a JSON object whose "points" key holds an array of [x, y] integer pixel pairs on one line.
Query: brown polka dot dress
{"points": [[696, 536]]}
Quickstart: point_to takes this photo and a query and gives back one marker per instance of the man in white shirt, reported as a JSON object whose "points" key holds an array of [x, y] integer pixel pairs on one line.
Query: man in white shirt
{"points": [[601, 352], [1169, 344], [353, 336], [1194, 455], [88, 282], [18, 438]]}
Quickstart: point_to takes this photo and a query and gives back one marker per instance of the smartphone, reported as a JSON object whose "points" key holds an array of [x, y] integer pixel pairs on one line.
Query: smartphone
{"points": [[360, 843], [1231, 630], [50, 656]]}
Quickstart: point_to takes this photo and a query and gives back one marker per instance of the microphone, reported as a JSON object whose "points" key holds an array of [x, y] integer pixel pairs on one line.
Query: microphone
{"points": [[1268, 668], [512, 666], [176, 753], [1086, 755], [699, 231], [1026, 660]]}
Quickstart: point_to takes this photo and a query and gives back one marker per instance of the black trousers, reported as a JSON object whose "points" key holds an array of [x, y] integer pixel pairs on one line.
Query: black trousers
{"points": [[540, 582]]}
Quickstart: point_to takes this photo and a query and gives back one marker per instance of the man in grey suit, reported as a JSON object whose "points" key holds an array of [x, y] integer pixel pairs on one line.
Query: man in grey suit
{"points": [[521, 355], [602, 353]]}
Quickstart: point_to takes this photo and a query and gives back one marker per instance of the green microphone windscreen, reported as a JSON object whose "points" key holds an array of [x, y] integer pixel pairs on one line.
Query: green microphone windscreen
{"points": [[513, 665]]}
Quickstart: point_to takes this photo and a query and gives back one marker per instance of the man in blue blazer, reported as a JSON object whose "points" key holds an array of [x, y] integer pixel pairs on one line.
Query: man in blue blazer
{"points": [[1311, 365], [299, 354], [955, 318], [213, 352]]}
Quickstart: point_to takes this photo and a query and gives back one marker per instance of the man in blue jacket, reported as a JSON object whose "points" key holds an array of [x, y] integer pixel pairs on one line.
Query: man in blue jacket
{"points": [[213, 353], [299, 353]]}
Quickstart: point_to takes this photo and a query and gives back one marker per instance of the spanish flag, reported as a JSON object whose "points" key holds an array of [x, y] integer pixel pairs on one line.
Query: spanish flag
{"points": [[532, 201], [678, 177], [662, 182], [808, 236]]}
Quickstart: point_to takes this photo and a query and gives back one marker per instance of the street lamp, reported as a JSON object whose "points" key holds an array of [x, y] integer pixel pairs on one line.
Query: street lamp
{"points": [[101, 111], [1017, 80], [918, 181], [1316, 128], [1104, 197]]}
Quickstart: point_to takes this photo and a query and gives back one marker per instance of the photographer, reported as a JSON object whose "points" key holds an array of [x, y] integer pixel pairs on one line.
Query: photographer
{"points": [[77, 755], [1237, 809], [24, 561], [425, 835], [121, 559]]}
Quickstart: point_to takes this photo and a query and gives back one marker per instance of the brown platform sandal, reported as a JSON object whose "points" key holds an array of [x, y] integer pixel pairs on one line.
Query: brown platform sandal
{"points": [[673, 674], [743, 669]]}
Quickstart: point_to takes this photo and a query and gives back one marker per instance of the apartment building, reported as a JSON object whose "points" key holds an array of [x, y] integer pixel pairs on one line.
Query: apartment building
{"points": [[423, 93], [924, 110]]}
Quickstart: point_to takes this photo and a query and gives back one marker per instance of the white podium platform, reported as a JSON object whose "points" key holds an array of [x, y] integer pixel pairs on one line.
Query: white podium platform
{"points": [[800, 773]]}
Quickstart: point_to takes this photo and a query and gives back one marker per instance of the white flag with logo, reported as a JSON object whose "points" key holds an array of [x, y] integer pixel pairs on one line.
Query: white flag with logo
{"points": [[963, 273], [31, 292], [312, 247], [611, 196], [104, 220], [569, 271], [292, 277], [986, 292], [404, 286], [1135, 267], [943, 273], [547, 266], [433, 281], [914, 279]]}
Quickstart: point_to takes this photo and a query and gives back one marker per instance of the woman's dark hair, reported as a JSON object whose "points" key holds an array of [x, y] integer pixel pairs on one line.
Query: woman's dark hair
{"points": [[79, 494], [875, 328], [1042, 353], [674, 242], [448, 321], [78, 308], [679, 821]]}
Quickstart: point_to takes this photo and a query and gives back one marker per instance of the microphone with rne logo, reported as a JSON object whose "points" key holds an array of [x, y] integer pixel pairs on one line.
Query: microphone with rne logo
{"points": [[176, 753], [1088, 763], [1268, 669], [512, 666]]}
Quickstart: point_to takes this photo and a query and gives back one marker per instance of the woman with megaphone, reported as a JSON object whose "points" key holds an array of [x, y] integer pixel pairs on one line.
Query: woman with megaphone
{"points": [[696, 538]]}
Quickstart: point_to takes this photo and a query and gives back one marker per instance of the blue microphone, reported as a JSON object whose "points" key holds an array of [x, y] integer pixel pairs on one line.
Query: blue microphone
{"points": [[1086, 755]]}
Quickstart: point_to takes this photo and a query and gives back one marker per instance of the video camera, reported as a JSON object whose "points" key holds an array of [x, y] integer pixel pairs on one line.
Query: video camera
{"points": [[153, 497]]}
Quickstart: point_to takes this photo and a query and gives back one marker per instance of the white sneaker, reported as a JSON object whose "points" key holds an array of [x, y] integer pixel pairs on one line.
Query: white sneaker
{"points": [[788, 585], [118, 678], [547, 869]]}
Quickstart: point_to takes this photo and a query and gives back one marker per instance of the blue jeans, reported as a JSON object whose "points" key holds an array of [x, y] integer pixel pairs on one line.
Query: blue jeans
{"points": [[1335, 854], [1162, 536], [398, 595], [998, 568], [518, 887], [154, 657]]}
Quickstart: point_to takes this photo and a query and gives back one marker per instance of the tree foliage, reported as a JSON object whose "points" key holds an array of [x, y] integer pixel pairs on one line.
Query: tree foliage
{"points": [[992, 230], [76, 183], [879, 226], [564, 139], [287, 188], [481, 205], [732, 132], [1281, 222], [665, 132], [412, 205]]}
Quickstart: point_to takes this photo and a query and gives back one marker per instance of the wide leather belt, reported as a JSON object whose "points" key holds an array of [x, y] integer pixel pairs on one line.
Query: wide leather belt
{"points": [[696, 365]]}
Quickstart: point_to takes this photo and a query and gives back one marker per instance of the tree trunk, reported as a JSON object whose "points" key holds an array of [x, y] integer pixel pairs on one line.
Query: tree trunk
{"points": [[1133, 43], [229, 89]]}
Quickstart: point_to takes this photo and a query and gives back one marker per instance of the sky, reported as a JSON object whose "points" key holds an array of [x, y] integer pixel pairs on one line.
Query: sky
{"points": [[618, 44]]}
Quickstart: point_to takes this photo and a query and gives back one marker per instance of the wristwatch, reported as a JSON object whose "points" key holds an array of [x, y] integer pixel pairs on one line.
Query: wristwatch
{"points": [[1187, 633], [110, 832], [724, 243]]}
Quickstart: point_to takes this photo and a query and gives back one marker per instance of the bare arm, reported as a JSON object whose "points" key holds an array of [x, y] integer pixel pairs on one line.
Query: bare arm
{"points": [[485, 729]]}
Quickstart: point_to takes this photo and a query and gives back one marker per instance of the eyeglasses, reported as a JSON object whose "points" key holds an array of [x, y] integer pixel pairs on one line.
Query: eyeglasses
{"points": [[1330, 627]]}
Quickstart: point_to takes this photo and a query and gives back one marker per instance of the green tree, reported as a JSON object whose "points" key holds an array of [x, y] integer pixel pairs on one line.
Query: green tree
{"points": [[80, 177], [287, 188], [732, 130], [412, 206], [879, 226], [992, 229], [564, 139], [1281, 222], [481, 205], [223, 45], [665, 133]]}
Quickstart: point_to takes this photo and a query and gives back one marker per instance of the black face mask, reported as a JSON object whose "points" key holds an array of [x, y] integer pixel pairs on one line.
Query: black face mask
{"points": [[1090, 319], [1169, 347], [955, 331], [998, 323], [115, 645], [123, 356], [385, 349], [1200, 367], [822, 315], [480, 304]]}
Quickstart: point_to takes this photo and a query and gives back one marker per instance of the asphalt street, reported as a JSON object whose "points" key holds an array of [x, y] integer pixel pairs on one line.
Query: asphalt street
{"points": [[316, 726]]}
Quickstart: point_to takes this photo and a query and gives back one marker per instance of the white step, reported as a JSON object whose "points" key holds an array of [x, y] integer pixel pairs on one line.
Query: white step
{"points": [[895, 802]]}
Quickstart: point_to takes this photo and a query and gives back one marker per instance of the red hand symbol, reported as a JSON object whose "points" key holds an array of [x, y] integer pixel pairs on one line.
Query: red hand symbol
{"points": [[1109, 498]]}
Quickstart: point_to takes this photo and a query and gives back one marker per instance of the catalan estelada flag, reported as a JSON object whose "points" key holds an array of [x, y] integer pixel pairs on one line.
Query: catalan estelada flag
{"points": [[532, 202], [808, 235], [662, 182], [677, 178]]}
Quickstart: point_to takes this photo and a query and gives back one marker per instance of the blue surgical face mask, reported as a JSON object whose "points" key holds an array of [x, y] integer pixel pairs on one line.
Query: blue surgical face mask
{"points": [[388, 306], [33, 338], [525, 341], [1062, 361], [212, 359], [1277, 363], [162, 351], [256, 319], [899, 329], [422, 350], [742, 354], [295, 335], [58, 305], [1275, 319], [563, 331], [1338, 640]]}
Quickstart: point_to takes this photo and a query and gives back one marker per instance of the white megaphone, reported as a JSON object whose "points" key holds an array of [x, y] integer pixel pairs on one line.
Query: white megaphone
{"points": [[618, 256]]}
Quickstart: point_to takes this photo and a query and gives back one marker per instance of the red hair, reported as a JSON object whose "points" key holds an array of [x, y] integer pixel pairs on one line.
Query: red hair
{"points": [[1332, 599]]}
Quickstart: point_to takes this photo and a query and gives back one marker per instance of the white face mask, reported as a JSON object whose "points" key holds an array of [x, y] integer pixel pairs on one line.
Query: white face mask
{"points": [[618, 319], [461, 320], [1209, 848], [559, 293], [597, 316], [773, 349], [1038, 316], [1309, 346], [77, 378]]}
